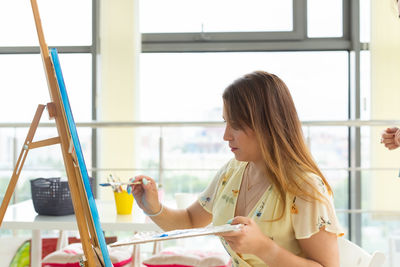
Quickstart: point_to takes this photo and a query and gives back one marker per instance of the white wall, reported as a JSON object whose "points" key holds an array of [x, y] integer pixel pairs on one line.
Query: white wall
{"points": [[385, 99], [120, 46]]}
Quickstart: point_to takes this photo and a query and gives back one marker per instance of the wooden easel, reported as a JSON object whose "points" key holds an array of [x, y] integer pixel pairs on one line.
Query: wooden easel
{"points": [[83, 212]]}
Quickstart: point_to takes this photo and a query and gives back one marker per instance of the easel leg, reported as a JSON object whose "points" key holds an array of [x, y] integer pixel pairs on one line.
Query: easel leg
{"points": [[20, 162]]}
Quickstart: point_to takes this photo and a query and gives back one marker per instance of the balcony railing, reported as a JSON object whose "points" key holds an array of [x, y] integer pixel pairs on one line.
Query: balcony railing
{"points": [[161, 125]]}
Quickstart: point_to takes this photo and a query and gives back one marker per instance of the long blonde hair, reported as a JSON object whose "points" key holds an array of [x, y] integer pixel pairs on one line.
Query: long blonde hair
{"points": [[262, 102]]}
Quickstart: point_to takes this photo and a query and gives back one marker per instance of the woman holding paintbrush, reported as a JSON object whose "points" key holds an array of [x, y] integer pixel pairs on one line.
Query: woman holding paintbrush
{"points": [[272, 186]]}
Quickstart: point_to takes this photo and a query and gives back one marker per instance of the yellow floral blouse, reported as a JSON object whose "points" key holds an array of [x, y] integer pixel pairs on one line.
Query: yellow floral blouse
{"points": [[301, 219]]}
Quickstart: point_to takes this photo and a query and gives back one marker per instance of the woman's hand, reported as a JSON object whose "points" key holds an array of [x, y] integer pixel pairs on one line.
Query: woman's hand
{"points": [[249, 239], [145, 194], [391, 138]]}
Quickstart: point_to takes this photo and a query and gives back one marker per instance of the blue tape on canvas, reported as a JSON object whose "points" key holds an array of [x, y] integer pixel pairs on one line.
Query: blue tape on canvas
{"points": [[81, 161]]}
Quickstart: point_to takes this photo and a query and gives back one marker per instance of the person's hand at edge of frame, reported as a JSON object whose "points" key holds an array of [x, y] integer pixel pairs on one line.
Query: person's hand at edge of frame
{"points": [[390, 138]]}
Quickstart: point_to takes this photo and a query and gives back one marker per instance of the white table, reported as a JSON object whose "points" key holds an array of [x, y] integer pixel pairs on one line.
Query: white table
{"points": [[23, 216]]}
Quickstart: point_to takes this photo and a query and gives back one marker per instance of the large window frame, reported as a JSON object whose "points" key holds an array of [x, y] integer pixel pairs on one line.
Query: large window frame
{"points": [[295, 40], [92, 49]]}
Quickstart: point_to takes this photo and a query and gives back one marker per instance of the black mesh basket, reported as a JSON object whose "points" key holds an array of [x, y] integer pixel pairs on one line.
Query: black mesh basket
{"points": [[51, 196]]}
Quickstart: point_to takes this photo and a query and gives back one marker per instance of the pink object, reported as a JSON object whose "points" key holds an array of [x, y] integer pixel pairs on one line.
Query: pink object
{"points": [[180, 257], [71, 255]]}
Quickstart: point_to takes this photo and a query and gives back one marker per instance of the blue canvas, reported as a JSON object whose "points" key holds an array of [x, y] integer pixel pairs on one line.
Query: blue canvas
{"points": [[79, 155]]}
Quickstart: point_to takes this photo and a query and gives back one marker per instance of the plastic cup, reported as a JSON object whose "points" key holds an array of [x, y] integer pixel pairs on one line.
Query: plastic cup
{"points": [[123, 202]]}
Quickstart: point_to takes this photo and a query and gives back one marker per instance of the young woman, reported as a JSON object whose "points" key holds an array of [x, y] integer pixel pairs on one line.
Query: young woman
{"points": [[272, 186]]}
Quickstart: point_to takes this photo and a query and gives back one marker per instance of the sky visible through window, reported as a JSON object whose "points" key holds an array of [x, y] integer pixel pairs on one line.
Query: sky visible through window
{"points": [[215, 16], [189, 85]]}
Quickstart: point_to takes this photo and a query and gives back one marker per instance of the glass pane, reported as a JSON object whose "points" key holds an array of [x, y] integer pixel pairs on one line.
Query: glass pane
{"points": [[191, 156], [196, 16], [381, 235], [318, 82], [7, 156], [65, 22], [325, 18], [186, 182], [5, 177], [41, 162], [380, 225], [147, 146], [24, 87], [365, 84], [329, 146], [195, 148], [338, 180], [365, 21], [23, 80]]}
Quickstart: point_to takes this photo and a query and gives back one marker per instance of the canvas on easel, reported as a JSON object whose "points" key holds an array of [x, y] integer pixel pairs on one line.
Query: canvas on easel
{"points": [[76, 151], [91, 234]]}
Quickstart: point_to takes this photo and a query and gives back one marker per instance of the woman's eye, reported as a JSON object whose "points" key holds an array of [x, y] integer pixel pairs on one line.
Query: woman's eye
{"points": [[235, 127]]}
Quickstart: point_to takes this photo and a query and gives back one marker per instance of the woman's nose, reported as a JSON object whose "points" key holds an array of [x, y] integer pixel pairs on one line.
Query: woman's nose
{"points": [[227, 134]]}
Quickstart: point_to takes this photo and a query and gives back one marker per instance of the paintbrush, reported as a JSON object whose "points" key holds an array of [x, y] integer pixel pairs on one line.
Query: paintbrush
{"points": [[119, 183]]}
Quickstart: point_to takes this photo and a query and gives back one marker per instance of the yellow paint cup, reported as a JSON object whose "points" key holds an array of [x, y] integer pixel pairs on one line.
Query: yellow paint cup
{"points": [[124, 202]]}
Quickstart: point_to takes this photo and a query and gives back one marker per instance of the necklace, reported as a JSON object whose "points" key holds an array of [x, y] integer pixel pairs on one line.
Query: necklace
{"points": [[247, 183], [254, 195], [247, 176]]}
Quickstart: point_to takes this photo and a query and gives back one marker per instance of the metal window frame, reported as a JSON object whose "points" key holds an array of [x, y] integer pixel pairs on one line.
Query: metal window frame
{"points": [[355, 186], [298, 32], [91, 49], [297, 40]]}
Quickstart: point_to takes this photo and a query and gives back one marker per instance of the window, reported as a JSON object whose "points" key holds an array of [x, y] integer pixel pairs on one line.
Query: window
{"points": [[19, 28], [24, 83], [325, 18], [314, 47], [215, 16], [197, 62], [311, 44]]}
